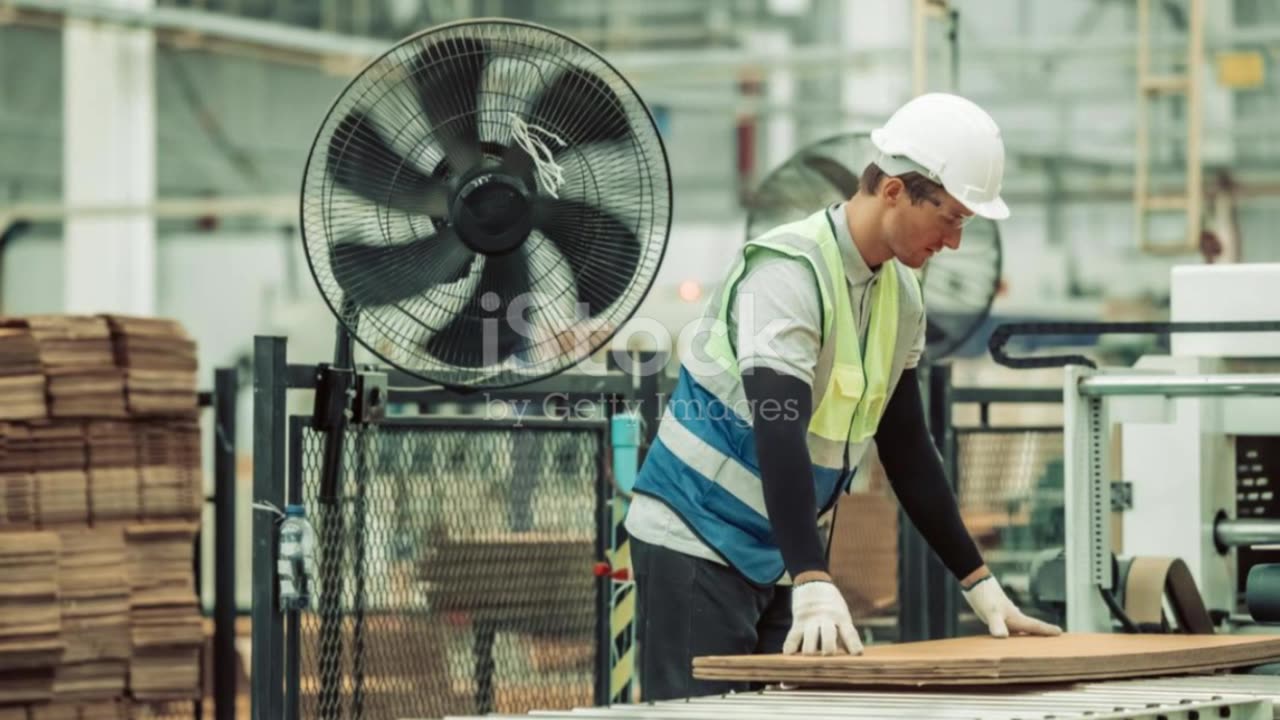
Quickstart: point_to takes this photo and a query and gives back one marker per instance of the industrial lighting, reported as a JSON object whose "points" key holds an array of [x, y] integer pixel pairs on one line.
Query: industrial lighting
{"points": [[690, 290]]}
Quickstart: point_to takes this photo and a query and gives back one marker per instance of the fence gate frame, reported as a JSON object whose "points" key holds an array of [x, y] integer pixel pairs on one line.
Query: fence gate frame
{"points": [[278, 476]]}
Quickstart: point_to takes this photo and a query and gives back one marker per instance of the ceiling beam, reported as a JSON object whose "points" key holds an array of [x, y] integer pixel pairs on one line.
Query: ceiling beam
{"points": [[338, 52]]}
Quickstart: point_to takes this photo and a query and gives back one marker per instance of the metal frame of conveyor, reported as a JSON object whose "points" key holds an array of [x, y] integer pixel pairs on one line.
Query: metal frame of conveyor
{"points": [[1094, 400], [1240, 697]]}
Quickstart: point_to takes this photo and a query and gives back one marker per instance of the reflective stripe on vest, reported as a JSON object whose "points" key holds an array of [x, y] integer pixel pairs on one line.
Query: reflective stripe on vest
{"points": [[704, 463]]}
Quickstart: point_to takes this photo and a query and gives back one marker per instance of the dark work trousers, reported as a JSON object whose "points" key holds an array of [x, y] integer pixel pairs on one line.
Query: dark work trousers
{"points": [[688, 607]]}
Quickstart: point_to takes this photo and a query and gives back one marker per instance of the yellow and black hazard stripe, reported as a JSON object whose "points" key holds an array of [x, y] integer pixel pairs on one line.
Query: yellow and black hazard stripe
{"points": [[622, 665], [626, 440]]}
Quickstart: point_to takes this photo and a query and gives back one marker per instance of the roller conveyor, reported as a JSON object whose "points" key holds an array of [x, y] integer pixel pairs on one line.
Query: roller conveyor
{"points": [[1241, 697]]}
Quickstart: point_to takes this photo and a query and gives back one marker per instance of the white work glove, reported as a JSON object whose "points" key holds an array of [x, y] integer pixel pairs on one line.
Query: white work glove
{"points": [[1000, 614], [819, 612]]}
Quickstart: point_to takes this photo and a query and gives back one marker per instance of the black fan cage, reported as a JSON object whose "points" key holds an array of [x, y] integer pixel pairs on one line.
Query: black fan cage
{"points": [[380, 120], [959, 285]]}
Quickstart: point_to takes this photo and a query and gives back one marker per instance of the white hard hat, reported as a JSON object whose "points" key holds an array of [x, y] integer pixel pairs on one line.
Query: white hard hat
{"points": [[951, 141]]}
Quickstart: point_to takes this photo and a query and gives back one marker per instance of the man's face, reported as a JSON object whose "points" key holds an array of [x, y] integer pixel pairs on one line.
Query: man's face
{"points": [[922, 229]]}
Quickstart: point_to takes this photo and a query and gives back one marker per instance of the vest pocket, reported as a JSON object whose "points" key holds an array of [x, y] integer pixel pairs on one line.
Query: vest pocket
{"points": [[834, 414], [850, 382], [859, 404]]}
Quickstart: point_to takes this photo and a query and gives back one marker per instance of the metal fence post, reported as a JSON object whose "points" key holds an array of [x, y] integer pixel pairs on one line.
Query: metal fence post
{"points": [[626, 438], [269, 390], [225, 606], [926, 592], [942, 608], [293, 617], [604, 581]]}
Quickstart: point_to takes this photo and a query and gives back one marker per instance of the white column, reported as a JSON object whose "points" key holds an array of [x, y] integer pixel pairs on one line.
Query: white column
{"points": [[780, 94], [109, 150]]}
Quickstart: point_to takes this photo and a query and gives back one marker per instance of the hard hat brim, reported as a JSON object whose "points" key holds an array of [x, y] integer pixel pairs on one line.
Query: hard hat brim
{"points": [[994, 209], [881, 140]]}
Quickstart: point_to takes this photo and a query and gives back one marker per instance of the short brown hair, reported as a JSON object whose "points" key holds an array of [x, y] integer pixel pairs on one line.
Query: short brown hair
{"points": [[919, 188]]}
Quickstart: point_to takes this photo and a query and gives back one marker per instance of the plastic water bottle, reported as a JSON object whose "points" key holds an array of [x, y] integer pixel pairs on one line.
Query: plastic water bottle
{"points": [[296, 558]]}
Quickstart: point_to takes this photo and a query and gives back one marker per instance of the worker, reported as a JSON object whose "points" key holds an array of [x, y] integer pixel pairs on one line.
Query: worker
{"points": [[806, 355]]}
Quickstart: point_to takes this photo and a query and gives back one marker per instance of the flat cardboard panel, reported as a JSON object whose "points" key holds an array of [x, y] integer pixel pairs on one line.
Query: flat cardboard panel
{"points": [[986, 660]]}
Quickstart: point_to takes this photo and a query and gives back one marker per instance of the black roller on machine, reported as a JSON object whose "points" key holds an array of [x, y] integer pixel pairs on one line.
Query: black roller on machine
{"points": [[1262, 592]]}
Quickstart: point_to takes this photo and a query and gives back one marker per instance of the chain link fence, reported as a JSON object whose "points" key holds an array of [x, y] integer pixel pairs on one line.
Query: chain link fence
{"points": [[455, 570], [1010, 488]]}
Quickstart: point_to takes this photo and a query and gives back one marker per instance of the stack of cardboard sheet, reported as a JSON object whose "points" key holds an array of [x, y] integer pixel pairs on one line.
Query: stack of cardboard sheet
{"points": [[166, 632], [57, 449], [100, 494], [77, 357], [56, 711], [104, 710], [993, 661], [17, 479], [169, 467], [30, 624], [159, 363], [85, 392], [95, 710], [864, 552], [17, 499], [21, 375], [114, 480], [95, 614], [513, 577], [170, 710]]}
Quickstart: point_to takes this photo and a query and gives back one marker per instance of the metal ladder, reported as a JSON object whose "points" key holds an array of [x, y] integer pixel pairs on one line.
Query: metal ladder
{"points": [[1152, 86], [922, 12]]}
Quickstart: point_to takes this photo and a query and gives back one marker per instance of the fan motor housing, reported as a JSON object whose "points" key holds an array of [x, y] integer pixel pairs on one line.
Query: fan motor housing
{"points": [[492, 212]]}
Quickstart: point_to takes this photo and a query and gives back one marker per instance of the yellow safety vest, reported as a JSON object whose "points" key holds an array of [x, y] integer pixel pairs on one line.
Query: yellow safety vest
{"points": [[703, 464]]}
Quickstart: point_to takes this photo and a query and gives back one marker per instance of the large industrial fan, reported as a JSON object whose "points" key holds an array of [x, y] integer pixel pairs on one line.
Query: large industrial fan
{"points": [[483, 206], [959, 286], [486, 204]]}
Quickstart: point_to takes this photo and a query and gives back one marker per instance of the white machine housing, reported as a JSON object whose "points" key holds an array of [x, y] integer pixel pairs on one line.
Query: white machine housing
{"points": [[1184, 472], [1178, 451]]}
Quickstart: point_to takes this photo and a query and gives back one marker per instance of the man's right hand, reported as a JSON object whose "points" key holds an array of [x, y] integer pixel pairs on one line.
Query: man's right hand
{"points": [[820, 622]]}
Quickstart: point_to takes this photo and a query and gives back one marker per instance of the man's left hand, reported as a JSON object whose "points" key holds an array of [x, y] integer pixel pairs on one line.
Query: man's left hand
{"points": [[1002, 617]]}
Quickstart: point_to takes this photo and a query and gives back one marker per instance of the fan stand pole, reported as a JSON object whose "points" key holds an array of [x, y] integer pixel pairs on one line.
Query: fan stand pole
{"points": [[332, 407], [361, 544]]}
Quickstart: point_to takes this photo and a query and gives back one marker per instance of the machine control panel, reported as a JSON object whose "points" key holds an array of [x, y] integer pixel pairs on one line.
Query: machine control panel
{"points": [[1257, 494]]}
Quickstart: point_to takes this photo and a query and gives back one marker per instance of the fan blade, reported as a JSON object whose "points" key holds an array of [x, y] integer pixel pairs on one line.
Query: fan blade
{"points": [[603, 253], [372, 275], [835, 173], [362, 161], [447, 76], [472, 339], [580, 107]]}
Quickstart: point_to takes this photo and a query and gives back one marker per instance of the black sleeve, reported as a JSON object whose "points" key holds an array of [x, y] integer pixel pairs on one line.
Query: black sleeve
{"points": [[915, 471], [780, 407]]}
